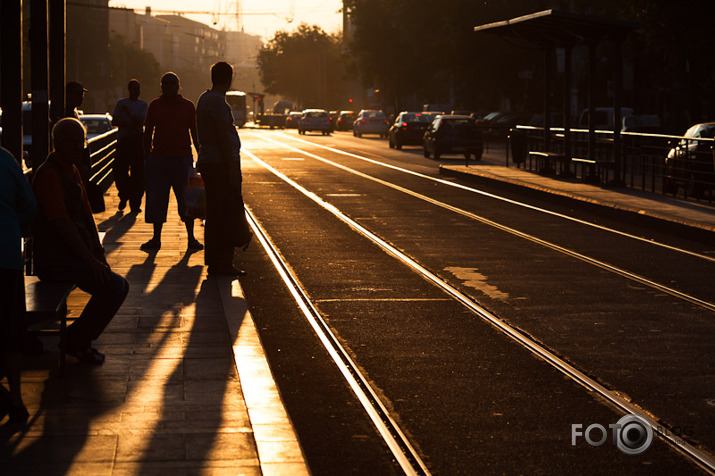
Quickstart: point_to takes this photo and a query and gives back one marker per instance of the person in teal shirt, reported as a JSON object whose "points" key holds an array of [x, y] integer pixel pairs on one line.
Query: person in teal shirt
{"points": [[18, 208]]}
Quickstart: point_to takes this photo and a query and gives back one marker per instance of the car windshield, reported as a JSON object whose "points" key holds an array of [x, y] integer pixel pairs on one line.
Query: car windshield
{"points": [[417, 117], [457, 123], [96, 126], [374, 115], [317, 114]]}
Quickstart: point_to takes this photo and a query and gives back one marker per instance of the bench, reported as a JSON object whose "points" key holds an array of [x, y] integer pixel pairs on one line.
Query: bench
{"points": [[545, 161], [46, 307], [596, 168]]}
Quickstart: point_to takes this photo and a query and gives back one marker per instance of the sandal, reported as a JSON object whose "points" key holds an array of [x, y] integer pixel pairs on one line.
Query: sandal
{"points": [[89, 355]]}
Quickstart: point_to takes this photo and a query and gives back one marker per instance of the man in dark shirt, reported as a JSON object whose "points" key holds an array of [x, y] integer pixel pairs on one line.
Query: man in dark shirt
{"points": [[66, 244]]}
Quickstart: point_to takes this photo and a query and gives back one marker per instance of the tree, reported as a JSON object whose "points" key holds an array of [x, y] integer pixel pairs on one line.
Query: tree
{"points": [[304, 66], [130, 62]]}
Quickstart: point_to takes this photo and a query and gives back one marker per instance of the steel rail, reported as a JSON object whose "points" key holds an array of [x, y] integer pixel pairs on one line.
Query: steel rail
{"points": [[399, 445], [699, 457], [492, 196], [587, 259]]}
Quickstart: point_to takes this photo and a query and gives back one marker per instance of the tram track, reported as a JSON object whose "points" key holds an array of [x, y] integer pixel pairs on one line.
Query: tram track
{"points": [[529, 237], [479, 192], [614, 397]]}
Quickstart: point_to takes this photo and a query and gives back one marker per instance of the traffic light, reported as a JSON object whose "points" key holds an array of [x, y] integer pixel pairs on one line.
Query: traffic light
{"points": [[350, 100]]}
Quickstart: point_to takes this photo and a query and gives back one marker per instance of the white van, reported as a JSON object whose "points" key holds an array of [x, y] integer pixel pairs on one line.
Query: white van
{"points": [[603, 117]]}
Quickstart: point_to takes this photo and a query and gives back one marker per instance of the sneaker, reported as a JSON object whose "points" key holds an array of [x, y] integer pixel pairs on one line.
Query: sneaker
{"points": [[194, 245], [89, 355], [151, 245], [122, 204]]}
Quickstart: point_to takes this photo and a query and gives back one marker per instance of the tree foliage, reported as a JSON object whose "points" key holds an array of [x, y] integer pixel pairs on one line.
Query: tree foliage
{"points": [[127, 61], [425, 51], [304, 66]]}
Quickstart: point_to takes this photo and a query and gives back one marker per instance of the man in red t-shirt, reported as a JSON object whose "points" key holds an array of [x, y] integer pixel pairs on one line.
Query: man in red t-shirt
{"points": [[169, 128]]}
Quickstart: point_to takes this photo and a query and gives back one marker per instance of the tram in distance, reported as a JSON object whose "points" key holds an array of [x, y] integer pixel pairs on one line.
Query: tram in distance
{"points": [[237, 101]]}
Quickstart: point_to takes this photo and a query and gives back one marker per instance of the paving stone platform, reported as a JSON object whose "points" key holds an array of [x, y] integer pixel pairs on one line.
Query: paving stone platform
{"points": [[186, 388]]}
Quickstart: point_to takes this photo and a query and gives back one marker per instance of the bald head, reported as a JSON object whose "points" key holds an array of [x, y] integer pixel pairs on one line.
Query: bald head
{"points": [[68, 137]]}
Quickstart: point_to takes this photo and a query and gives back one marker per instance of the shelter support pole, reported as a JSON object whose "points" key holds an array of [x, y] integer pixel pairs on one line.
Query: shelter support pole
{"points": [[592, 99], [617, 101], [38, 58], [57, 59], [547, 99], [11, 86], [566, 169]]}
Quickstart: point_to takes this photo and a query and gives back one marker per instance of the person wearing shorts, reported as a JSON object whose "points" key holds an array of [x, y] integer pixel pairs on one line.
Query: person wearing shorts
{"points": [[169, 128]]}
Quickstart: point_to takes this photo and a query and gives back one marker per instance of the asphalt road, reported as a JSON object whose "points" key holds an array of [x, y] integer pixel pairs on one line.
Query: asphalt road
{"points": [[634, 316]]}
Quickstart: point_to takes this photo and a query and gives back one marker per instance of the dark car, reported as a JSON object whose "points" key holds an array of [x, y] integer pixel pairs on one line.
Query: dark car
{"points": [[691, 164], [408, 129], [345, 120], [293, 119], [453, 134]]}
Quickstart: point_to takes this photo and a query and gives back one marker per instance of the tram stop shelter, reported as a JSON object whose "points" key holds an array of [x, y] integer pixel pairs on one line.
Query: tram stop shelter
{"points": [[552, 29]]}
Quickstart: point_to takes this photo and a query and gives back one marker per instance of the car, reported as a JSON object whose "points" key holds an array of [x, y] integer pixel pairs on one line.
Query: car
{"points": [[345, 120], [408, 129], [96, 124], [293, 119], [315, 120], [453, 134], [333, 119], [370, 121], [690, 163]]}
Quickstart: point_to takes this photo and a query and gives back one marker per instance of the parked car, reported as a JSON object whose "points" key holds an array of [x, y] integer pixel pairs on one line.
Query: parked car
{"points": [[96, 124], [293, 119], [370, 121], [690, 163], [345, 120], [315, 120], [643, 123], [453, 134], [603, 117], [408, 129]]}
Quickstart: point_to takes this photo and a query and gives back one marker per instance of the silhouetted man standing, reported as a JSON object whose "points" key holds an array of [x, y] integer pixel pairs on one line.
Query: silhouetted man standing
{"points": [[220, 166], [128, 116], [169, 128]]}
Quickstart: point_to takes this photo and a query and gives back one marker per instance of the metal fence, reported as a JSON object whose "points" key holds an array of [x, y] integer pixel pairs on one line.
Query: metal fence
{"points": [[102, 151], [676, 165]]}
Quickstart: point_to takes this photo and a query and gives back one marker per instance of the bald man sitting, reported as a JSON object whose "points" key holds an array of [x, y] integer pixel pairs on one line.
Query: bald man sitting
{"points": [[66, 244]]}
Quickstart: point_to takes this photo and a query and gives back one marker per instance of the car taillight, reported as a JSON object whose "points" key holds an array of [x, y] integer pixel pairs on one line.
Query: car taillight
{"points": [[404, 126]]}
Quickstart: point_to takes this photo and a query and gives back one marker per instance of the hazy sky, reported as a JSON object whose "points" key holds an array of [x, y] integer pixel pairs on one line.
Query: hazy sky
{"points": [[260, 17]]}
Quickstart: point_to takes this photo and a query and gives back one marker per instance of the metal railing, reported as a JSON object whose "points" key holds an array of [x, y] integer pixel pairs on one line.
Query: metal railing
{"points": [[102, 152], [660, 163]]}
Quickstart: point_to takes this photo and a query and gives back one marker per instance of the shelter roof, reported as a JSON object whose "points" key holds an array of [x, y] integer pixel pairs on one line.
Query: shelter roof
{"points": [[554, 28]]}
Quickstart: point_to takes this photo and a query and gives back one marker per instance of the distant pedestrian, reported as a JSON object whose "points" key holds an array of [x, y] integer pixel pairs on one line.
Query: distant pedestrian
{"points": [[74, 97], [66, 244], [169, 128], [128, 116], [220, 165], [17, 210]]}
